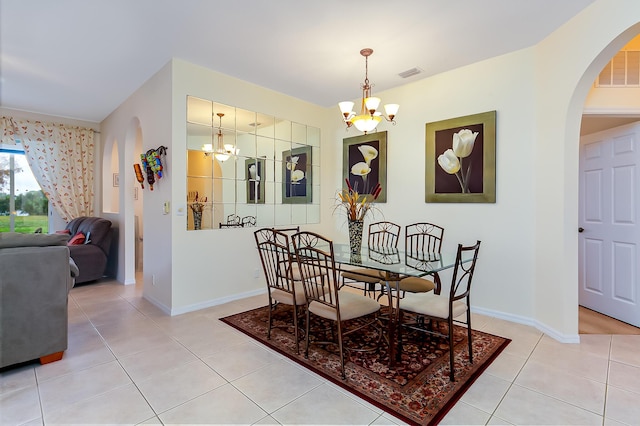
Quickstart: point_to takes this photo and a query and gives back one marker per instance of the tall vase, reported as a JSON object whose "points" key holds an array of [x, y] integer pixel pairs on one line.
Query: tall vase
{"points": [[197, 219], [355, 235]]}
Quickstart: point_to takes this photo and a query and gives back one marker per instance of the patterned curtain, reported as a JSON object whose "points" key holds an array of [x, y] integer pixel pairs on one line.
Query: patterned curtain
{"points": [[61, 159]]}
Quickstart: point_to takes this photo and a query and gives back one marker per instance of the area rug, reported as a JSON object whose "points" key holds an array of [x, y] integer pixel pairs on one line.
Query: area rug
{"points": [[417, 389]]}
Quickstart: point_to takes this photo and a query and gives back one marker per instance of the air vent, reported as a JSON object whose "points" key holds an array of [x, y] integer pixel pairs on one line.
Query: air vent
{"points": [[410, 73]]}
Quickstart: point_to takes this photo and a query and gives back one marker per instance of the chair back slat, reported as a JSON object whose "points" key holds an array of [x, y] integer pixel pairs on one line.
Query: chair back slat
{"points": [[463, 272], [383, 234], [423, 237], [316, 260]]}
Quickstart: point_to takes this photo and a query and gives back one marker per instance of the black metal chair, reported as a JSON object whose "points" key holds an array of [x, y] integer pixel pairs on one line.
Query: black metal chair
{"points": [[324, 299], [442, 308], [277, 263], [420, 239]]}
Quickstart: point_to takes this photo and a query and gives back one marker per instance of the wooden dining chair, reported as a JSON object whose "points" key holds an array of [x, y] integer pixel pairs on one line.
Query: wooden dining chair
{"points": [[277, 263], [442, 308], [381, 235], [420, 239], [316, 260]]}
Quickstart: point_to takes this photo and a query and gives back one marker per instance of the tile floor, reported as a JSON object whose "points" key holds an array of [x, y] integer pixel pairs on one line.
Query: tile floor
{"points": [[128, 363]]}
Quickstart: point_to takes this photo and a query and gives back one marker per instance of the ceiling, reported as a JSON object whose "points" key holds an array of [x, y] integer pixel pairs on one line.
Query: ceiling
{"points": [[81, 59]]}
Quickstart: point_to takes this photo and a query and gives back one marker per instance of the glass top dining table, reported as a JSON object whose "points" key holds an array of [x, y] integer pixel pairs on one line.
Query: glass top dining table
{"points": [[394, 261]]}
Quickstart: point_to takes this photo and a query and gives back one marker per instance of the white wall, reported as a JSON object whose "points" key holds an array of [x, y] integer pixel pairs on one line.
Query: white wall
{"points": [[562, 84], [504, 280], [147, 112], [213, 266]]}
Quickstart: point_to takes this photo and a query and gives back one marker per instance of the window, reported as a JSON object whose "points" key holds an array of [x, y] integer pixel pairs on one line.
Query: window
{"points": [[622, 71], [23, 206]]}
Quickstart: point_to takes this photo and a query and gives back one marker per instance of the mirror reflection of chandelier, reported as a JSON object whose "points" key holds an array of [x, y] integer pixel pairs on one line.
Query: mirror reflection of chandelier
{"points": [[369, 116], [222, 151]]}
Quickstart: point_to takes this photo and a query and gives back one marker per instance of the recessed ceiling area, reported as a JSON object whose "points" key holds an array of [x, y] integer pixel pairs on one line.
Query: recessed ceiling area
{"points": [[597, 123]]}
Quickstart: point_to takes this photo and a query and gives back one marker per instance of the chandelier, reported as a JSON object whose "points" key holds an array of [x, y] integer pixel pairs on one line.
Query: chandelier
{"points": [[222, 151], [369, 116]]}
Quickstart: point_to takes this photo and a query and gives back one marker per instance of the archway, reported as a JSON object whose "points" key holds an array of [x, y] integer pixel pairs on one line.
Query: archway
{"points": [[603, 118], [132, 212], [110, 177], [602, 242]]}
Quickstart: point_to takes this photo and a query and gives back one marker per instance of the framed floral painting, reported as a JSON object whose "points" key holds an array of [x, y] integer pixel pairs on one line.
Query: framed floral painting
{"points": [[296, 176], [461, 160], [255, 172], [364, 165]]}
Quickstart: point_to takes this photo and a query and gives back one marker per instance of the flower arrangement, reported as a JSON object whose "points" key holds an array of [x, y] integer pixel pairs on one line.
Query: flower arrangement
{"points": [[451, 160], [357, 205], [196, 206]]}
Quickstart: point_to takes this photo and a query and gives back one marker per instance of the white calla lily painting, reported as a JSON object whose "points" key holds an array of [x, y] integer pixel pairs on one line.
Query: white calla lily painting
{"points": [[296, 176], [460, 156], [364, 165]]}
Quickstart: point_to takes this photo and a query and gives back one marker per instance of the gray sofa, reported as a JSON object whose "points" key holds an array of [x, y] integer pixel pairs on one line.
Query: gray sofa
{"points": [[36, 275], [91, 256]]}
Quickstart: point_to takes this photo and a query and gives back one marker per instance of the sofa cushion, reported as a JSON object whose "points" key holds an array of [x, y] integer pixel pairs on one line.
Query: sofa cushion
{"points": [[77, 239], [99, 230], [16, 239]]}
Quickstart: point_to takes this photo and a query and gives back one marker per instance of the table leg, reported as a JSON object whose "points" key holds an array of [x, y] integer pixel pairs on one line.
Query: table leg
{"points": [[393, 316]]}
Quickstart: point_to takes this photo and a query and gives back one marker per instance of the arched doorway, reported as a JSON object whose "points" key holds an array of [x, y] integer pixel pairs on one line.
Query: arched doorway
{"points": [[599, 282]]}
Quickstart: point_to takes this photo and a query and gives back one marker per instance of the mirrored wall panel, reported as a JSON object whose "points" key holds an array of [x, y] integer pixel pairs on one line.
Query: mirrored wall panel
{"points": [[247, 169]]}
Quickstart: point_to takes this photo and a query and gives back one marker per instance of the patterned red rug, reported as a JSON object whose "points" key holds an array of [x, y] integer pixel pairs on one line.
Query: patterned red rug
{"points": [[417, 390]]}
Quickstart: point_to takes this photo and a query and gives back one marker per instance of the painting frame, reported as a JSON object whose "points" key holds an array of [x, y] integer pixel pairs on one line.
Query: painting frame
{"points": [[291, 191], [255, 187], [378, 165], [439, 185]]}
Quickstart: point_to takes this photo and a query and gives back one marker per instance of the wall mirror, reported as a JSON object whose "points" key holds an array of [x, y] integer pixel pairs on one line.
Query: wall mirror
{"points": [[249, 169]]}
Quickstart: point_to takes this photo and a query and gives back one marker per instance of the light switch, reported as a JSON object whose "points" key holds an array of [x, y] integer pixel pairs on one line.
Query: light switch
{"points": [[167, 207]]}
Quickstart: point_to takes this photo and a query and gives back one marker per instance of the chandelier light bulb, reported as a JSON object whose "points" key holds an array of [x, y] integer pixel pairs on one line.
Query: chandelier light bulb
{"points": [[346, 107], [372, 104], [391, 110]]}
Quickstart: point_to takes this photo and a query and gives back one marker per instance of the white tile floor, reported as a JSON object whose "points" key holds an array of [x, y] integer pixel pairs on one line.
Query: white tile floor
{"points": [[128, 363]]}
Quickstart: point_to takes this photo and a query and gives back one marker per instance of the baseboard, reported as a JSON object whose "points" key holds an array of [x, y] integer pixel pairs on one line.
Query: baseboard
{"points": [[551, 332], [164, 308], [215, 302]]}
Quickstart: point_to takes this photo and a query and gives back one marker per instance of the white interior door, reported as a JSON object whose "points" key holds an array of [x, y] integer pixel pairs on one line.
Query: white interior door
{"points": [[609, 237]]}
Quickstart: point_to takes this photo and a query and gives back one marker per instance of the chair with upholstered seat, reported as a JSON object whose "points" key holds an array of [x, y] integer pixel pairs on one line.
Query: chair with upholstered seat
{"points": [[381, 235], [316, 260], [445, 308], [421, 239], [277, 263]]}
